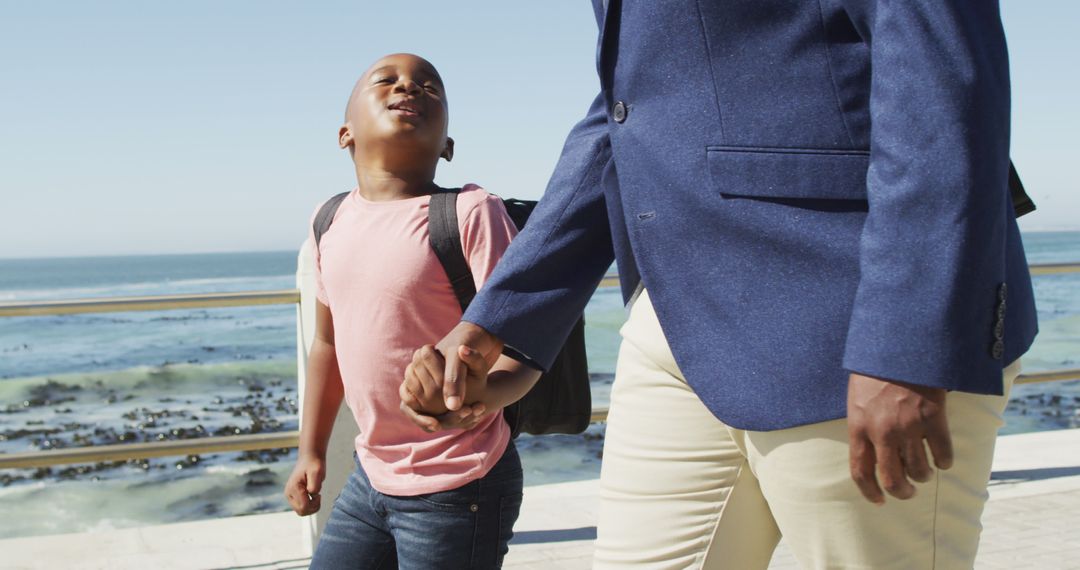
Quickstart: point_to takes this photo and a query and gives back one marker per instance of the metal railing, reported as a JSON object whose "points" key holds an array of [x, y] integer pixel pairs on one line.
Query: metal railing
{"points": [[274, 440], [150, 303], [126, 451], [1053, 268]]}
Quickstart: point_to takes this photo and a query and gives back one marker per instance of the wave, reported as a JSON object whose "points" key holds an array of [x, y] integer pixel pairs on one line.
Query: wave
{"points": [[152, 378], [155, 497]]}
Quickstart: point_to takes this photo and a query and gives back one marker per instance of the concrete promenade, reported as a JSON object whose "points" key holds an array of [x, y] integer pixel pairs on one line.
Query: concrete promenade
{"points": [[1032, 521]]}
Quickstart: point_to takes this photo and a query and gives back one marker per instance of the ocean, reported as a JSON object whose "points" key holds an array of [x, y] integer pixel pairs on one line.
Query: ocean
{"points": [[76, 380]]}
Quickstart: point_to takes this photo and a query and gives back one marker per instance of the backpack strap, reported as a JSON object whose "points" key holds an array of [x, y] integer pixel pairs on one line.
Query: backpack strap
{"points": [[325, 217], [1022, 203], [445, 238]]}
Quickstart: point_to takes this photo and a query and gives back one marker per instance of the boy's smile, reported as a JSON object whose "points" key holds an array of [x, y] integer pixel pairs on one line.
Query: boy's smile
{"points": [[406, 107]]}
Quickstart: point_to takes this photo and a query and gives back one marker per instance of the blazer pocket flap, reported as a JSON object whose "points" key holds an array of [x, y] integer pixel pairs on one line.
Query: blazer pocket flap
{"points": [[822, 174]]}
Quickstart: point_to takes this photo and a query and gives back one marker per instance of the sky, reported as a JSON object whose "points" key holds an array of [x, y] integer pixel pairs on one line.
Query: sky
{"points": [[205, 126]]}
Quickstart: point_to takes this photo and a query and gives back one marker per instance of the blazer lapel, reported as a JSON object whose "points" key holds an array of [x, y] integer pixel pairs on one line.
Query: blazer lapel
{"points": [[607, 26]]}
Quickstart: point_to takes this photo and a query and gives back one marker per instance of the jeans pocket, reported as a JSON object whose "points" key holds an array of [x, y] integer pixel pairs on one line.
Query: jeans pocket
{"points": [[463, 499]]}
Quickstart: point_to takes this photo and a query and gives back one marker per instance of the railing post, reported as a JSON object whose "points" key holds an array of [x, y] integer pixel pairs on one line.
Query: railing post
{"points": [[339, 455]]}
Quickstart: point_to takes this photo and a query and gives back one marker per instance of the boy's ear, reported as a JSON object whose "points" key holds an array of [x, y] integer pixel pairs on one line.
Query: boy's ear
{"points": [[345, 136], [448, 152]]}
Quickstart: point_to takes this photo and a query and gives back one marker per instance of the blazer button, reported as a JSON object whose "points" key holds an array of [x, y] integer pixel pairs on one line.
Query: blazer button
{"points": [[1001, 310], [999, 329], [998, 350], [1003, 292], [618, 112]]}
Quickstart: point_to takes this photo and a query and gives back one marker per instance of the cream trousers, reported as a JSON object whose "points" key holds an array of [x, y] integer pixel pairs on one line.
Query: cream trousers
{"points": [[681, 490]]}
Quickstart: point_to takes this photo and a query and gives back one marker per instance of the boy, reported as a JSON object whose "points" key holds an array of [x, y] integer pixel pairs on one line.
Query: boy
{"points": [[418, 498]]}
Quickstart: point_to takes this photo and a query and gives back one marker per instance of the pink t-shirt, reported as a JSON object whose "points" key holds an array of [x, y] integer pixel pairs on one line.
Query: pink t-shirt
{"points": [[389, 295]]}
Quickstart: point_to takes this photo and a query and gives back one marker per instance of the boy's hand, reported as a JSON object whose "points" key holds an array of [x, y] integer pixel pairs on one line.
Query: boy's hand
{"points": [[305, 482], [466, 418], [422, 388], [422, 396], [473, 337]]}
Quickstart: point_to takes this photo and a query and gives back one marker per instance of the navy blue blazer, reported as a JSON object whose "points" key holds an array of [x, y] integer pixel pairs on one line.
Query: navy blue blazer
{"points": [[805, 187]]}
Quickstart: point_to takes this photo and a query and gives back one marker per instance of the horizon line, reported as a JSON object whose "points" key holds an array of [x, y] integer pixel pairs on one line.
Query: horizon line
{"points": [[297, 249]]}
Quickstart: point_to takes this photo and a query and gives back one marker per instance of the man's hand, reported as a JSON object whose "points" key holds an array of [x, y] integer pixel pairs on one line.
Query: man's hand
{"points": [[305, 482], [476, 339], [887, 423]]}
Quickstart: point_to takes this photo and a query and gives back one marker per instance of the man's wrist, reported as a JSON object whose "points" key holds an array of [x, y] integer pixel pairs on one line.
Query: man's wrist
{"points": [[854, 377]]}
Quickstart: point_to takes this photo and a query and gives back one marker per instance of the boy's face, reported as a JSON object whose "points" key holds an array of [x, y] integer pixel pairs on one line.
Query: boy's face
{"points": [[400, 100]]}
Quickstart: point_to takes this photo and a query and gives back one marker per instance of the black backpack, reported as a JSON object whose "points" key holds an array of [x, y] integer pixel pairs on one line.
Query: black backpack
{"points": [[561, 401], [1022, 203]]}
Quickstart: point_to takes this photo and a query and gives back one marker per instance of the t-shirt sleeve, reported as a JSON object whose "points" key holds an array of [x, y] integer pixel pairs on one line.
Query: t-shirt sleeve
{"points": [[486, 232], [320, 290]]}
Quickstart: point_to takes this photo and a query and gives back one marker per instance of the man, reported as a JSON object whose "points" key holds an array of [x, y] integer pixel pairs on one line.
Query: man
{"points": [[808, 204]]}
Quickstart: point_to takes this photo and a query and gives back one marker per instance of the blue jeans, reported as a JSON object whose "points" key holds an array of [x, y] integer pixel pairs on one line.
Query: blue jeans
{"points": [[465, 528]]}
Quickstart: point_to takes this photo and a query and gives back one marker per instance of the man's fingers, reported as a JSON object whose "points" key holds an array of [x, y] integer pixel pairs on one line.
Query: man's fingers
{"points": [[891, 471], [475, 362], [426, 423], [915, 463], [940, 442], [862, 466], [454, 381], [472, 363], [454, 372]]}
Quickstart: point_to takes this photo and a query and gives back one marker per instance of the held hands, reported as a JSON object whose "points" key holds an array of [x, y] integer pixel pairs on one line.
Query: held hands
{"points": [[887, 423], [475, 339], [304, 484], [422, 391]]}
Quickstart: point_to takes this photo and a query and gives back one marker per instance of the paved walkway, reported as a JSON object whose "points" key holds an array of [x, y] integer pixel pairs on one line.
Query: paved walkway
{"points": [[1032, 519], [1031, 522]]}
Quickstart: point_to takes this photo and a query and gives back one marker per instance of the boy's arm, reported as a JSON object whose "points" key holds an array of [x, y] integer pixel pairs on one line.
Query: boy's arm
{"points": [[508, 381], [323, 392]]}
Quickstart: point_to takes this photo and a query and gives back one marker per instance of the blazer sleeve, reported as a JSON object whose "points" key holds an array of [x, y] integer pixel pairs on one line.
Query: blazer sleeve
{"points": [[539, 289], [932, 253]]}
